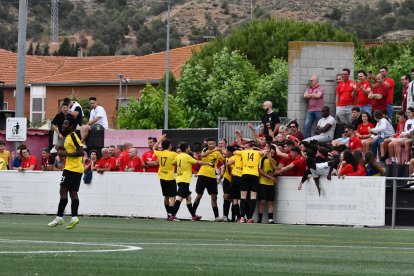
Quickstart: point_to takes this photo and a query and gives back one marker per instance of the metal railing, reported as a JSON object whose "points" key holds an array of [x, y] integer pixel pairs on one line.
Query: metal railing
{"points": [[226, 128], [394, 196]]}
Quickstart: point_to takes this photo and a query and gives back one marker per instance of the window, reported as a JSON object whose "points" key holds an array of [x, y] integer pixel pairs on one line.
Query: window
{"points": [[37, 105], [5, 106], [124, 102]]}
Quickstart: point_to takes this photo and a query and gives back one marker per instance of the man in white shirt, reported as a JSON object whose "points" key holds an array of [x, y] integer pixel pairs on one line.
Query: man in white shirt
{"points": [[324, 131], [410, 91], [98, 119]]}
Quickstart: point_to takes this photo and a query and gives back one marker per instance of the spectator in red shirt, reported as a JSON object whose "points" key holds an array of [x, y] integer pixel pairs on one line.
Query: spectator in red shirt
{"points": [[47, 160], [379, 95], [344, 97], [314, 95], [295, 132], [363, 131], [29, 162], [362, 92], [134, 164], [359, 159], [123, 157], [297, 166], [354, 143], [106, 163], [390, 85], [149, 159], [348, 165]]}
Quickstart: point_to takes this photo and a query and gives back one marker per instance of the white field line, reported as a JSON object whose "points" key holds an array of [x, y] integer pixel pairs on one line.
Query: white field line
{"points": [[119, 247], [275, 245]]}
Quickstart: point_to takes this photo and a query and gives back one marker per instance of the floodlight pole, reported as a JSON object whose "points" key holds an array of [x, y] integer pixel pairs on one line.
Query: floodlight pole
{"points": [[121, 77], [167, 67], [21, 56]]}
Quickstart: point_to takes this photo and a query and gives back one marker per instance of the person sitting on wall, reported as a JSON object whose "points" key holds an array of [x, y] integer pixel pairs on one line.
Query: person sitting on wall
{"points": [[98, 119], [324, 131]]}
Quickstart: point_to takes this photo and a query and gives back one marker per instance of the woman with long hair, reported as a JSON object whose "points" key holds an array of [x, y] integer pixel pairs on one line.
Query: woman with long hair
{"points": [[381, 131], [372, 167], [348, 165], [359, 158], [363, 131]]}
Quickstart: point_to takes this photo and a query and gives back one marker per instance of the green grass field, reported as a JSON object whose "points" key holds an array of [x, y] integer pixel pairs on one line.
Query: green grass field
{"points": [[109, 246]]}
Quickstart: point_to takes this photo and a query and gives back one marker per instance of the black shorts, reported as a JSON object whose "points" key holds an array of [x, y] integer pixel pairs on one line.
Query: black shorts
{"points": [[183, 189], [204, 182], [71, 180], [226, 186], [250, 183], [235, 187], [168, 187], [266, 192]]}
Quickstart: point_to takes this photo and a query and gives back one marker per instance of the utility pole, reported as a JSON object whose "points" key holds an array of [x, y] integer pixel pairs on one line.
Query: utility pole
{"points": [[54, 21], [251, 9], [167, 67], [21, 59]]}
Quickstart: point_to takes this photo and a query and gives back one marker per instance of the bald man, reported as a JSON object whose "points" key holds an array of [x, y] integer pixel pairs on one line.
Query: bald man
{"points": [[314, 95], [134, 163], [270, 120]]}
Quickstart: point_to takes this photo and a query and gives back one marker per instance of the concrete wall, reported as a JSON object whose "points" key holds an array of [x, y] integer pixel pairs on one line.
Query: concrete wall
{"points": [[324, 59], [350, 201]]}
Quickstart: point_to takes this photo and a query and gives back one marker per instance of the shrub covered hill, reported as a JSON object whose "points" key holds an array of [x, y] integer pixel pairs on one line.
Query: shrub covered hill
{"points": [[105, 27]]}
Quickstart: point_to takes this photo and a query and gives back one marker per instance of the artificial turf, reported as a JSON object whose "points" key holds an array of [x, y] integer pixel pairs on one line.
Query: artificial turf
{"points": [[206, 248]]}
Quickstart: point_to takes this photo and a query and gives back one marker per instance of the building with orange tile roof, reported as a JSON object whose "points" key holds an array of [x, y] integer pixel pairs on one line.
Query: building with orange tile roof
{"points": [[50, 79]]}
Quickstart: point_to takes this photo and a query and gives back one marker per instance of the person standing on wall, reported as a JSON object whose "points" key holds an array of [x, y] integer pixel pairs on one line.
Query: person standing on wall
{"points": [[314, 95]]}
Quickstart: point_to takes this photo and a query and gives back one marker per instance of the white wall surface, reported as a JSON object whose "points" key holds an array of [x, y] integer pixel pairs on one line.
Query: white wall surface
{"points": [[353, 201]]}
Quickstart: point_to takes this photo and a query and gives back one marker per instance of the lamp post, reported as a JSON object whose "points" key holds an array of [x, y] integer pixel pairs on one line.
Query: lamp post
{"points": [[167, 67], [121, 77]]}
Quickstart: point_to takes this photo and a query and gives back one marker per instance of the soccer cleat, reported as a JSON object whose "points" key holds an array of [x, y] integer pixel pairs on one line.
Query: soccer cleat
{"points": [[271, 221], [196, 218], [56, 222], [250, 221], [173, 218], [168, 216], [72, 224], [259, 221], [225, 219], [218, 219], [242, 220]]}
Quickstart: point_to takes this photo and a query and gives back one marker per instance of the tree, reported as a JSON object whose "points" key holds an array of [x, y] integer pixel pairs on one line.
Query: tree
{"points": [[30, 50], [46, 50], [222, 93], [98, 49], [65, 48], [37, 50], [270, 87], [147, 112]]}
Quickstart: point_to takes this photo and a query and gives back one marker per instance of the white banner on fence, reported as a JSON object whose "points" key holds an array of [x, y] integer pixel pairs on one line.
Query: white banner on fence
{"points": [[353, 201]]}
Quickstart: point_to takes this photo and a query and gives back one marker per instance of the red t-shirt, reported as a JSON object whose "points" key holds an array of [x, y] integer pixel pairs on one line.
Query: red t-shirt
{"points": [[362, 98], [347, 170], [390, 97], [380, 104], [285, 162], [300, 166], [363, 129], [123, 160], [27, 162], [136, 164], [344, 93], [360, 171], [354, 143], [107, 163], [150, 156]]}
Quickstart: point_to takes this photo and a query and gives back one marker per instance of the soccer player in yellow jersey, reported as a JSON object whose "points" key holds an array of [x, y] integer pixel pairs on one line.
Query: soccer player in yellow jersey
{"points": [[267, 183], [250, 180], [5, 155], [227, 184], [72, 173], [184, 162], [236, 164], [166, 173], [207, 176]]}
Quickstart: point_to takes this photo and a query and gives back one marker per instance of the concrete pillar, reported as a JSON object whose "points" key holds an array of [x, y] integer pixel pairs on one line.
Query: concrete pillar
{"points": [[324, 59]]}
